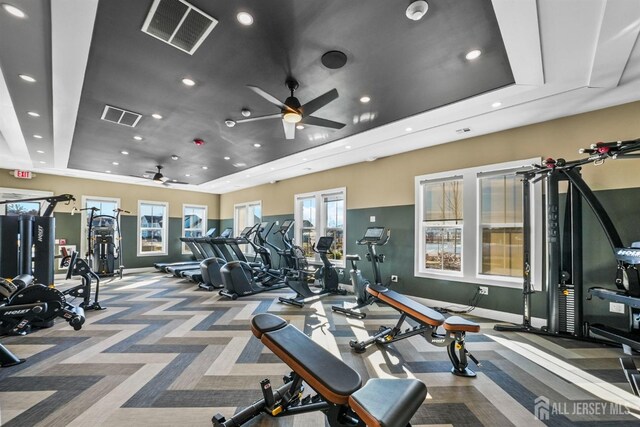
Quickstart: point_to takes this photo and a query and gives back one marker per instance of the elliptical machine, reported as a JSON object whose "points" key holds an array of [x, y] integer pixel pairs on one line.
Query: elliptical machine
{"points": [[373, 236], [241, 278], [329, 279]]}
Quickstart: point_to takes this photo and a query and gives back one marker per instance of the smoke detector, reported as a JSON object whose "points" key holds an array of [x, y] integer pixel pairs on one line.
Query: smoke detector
{"points": [[417, 10]]}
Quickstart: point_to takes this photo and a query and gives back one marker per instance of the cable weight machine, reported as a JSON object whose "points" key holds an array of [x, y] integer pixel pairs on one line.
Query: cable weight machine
{"points": [[564, 242]]}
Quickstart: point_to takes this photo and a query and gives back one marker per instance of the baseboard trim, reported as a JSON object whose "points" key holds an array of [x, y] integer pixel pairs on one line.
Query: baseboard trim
{"points": [[500, 316], [62, 276]]}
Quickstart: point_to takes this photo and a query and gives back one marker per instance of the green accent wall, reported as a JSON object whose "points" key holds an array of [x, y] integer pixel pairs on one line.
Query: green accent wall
{"points": [[69, 227]]}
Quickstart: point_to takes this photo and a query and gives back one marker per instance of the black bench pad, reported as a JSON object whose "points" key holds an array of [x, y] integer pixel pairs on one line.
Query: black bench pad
{"points": [[406, 305], [388, 402], [325, 373], [266, 322]]}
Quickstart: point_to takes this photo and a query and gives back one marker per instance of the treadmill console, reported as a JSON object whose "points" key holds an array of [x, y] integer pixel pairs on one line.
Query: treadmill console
{"points": [[226, 233]]}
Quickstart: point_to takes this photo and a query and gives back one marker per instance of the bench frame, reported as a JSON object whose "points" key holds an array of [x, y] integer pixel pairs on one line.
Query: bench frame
{"points": [[286, 401], [453, 338]]}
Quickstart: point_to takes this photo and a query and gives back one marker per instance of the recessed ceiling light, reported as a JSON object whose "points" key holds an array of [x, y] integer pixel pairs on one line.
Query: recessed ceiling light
{"points": [[205, 167], [115, 163], [37, 136], [227, 158], [108, 171], [33, 114], [365, 99], [188, 82], [239, 165], [304, 159], [257, 145], [43, 163], [230, 123], [126, 153], [174, 157], [137, 138], [496, 104], [408, 129], [14, 10], [187, 174], [272, 169], [244, 18], [27, 78], [227, 182], [156, 116], [248, 176], [473, 54], [174, 180], [40, 152], [245, 112], [300, 127], [348, 147]]}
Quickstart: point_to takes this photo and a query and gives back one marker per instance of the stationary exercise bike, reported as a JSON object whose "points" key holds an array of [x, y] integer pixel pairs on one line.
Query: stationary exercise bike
{"points": [[329, 279], [373, 236], [24, 304]]}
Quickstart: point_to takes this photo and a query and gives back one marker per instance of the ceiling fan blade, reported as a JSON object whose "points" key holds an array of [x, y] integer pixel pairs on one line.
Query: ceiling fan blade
{"points": [[319, 102], [289, 130], [153, 172], [253, 119], [317, 121], [272, 99]]}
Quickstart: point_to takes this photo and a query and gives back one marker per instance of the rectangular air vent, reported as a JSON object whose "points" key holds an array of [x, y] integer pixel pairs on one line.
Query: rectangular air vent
{"points": [[179, 24], [120, 116]]}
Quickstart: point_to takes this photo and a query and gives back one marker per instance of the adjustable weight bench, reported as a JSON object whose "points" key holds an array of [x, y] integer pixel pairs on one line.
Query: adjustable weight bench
{"points": [[429, 320], [340, 394]]}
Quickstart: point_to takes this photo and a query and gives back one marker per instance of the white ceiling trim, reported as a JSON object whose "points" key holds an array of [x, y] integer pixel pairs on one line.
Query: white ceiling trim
{"points": [[518, 22], [71, 32], [11, 131], [617, 36]]}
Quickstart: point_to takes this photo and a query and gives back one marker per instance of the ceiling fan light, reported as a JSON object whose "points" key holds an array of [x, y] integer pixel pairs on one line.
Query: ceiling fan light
{"points": [[292, 117]]}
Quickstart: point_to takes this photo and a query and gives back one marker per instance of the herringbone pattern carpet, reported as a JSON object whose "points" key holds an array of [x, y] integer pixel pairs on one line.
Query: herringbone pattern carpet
{"points": [[166, 354]]}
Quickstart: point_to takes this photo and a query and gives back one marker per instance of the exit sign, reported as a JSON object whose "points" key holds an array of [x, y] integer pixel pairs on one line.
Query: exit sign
{"points": [[22, 174]]}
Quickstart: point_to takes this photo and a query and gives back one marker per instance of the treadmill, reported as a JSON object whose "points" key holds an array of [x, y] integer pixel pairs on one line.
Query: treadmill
{"points": [[162, 266]]}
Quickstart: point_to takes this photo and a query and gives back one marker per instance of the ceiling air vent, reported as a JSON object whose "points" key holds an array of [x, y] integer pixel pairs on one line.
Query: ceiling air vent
{"points": [[120, 116], [179, 24]]}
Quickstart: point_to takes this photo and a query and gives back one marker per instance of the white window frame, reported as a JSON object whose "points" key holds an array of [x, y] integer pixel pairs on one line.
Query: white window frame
{"points": [[165, 228], [84, 217], [23, 194], [204, 228], [237, 227], [471, 233], [321, 223]]}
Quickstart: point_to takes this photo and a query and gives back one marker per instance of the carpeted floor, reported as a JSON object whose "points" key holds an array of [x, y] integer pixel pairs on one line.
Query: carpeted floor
{"points": [[166, 354]]}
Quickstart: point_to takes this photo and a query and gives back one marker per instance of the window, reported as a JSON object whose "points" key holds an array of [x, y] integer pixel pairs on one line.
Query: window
{"points": [[318, 214], [106, 206], [501, 233], [22, 208], [152, 228], [442, 221], [469, 225], [194, 223], [246, 215]]}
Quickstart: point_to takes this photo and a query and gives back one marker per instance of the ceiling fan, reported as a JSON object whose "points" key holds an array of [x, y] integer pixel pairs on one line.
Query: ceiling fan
{"points": [[160, 178], [292, 112]]}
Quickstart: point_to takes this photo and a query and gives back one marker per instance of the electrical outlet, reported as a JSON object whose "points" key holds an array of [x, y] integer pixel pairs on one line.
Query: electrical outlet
{"points": [[483, 290], [616, 307], [394, 278]]}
